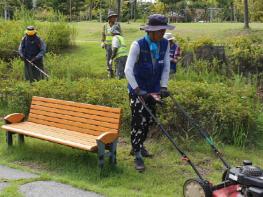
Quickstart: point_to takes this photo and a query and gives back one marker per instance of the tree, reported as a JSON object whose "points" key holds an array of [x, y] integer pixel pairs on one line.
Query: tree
{"points": [[118, 2], [246, 19], [134, 10], [8, 6]]}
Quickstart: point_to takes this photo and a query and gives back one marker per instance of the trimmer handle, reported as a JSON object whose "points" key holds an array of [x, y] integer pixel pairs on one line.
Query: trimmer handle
{"points": [[156, 97]]}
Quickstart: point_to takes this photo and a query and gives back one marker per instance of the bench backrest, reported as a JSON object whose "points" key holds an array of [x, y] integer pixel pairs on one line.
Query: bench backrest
{"points": [[80, 117]]}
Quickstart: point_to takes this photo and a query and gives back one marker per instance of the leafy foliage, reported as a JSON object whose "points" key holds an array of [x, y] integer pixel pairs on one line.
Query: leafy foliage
{"points": [[57, 35]]}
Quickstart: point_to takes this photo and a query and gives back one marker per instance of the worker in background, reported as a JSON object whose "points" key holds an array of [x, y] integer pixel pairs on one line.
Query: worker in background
{"points": [[106, 41]]}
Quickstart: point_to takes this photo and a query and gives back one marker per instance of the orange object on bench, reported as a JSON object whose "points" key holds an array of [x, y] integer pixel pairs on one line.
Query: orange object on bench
{"points": [[78, 125]]}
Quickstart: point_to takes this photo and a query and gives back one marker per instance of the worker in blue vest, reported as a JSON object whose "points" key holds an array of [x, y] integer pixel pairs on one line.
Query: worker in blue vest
{"points": [[119, 52], [147, 71], [32, 50], [106, 39], [175, 51]]}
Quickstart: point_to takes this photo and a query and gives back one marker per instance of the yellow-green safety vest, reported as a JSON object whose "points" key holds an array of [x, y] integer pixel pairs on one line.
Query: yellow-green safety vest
{"points": [[108, 39], [122, 50]]}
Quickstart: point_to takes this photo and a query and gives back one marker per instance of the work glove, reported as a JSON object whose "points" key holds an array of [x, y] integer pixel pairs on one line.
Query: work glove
{"points": [[156, 98], [141, 93], [164, 92], [102, 45], [173, 60]]}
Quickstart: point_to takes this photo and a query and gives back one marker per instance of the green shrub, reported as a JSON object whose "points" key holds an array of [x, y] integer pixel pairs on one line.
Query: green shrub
{"points": [[57, 35], [202, 42], [10, 37], [3, 70], [246, 54], [48, 14], [11, 70], [230, 113]]}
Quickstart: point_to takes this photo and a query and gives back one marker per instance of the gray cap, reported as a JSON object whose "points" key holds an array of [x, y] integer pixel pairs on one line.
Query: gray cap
{"points": [[115, 29], [112, 13], [157, 22]]}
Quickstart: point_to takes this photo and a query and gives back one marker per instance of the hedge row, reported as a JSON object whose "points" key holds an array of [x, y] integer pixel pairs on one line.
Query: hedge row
{"points": [[230, 113]]}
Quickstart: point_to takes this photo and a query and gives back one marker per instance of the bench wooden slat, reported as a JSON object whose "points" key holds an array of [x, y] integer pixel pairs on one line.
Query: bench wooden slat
{"points": [[76, 104], [63, 126], [74, 118], [35, 134], [52, 131], [76, 109], [72, 124], [77, 114], [55, 129]]}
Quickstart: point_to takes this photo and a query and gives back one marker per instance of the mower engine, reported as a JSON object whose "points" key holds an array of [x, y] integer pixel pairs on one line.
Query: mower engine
{"points": [[242, 181], [249, 177]]}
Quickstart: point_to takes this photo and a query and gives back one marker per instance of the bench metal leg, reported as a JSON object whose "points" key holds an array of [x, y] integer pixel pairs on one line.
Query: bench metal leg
{"points": [[9, 138], [101, 153], [21, 139], [113, 149]]}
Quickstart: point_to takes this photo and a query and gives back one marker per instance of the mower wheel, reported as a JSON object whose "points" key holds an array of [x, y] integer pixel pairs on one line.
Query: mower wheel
{"points": [[197, 188]]}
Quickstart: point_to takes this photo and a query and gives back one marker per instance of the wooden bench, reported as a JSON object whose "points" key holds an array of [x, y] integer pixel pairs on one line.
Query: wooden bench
{"points": [[84, 126]]}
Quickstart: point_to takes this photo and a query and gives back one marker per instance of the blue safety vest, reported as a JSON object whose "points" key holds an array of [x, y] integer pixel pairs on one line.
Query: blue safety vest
{"points": [[147, 74], [31, 46]]}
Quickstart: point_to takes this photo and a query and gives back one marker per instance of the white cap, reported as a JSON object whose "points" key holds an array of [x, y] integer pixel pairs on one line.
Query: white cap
{"points": [[169, 36]]}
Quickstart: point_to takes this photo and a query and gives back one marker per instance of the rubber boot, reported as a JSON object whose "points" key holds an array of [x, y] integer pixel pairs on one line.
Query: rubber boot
{"points": [[110, 74]]}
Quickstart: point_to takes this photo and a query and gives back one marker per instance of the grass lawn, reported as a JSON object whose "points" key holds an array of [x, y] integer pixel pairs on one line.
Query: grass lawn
{"points": [[165, 173], [164, 176], [91, 31]]}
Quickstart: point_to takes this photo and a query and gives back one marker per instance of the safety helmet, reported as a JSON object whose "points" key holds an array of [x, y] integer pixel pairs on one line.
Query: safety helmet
{"points": [[30, 31]]}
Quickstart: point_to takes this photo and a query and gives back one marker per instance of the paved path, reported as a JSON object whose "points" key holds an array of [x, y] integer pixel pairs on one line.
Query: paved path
{"points": [[14, 174], [39, 188]]}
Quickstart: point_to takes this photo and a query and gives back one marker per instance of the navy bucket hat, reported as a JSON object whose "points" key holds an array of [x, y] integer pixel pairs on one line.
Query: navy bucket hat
{"points": [[157, 22]]}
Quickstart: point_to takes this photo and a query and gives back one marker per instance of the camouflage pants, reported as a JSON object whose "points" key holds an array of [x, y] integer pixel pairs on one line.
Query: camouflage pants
{"points": [[140, 123], [119, 66], [108, 56]]}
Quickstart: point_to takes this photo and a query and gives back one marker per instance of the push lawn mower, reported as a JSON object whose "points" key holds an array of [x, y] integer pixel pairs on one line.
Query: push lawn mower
{"points": [[241, 181]]}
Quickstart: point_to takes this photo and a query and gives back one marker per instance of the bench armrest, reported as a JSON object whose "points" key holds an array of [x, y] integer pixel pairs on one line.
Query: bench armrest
{"points": [[108, 137], [14, 118]]}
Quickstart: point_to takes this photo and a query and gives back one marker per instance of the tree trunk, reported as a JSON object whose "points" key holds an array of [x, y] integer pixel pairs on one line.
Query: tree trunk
{"points": [[131, 10], [119, 9], [134, 10], [246, 19], [100, 12], [70, 14], [5, 10], [90, 11], [6, 15]]}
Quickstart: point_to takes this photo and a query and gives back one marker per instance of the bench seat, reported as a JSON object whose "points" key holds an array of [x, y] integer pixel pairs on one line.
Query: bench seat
{"points": [[61, 136]]}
